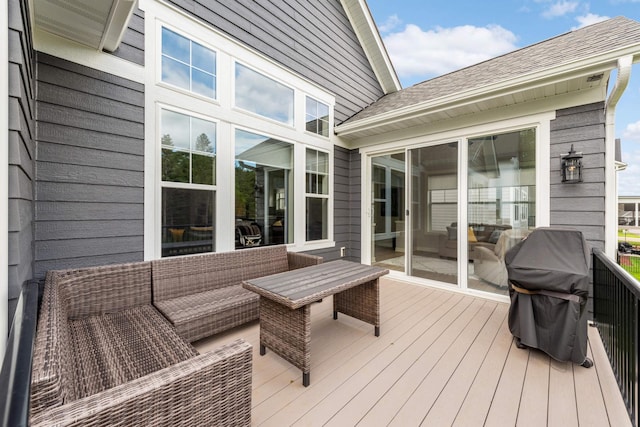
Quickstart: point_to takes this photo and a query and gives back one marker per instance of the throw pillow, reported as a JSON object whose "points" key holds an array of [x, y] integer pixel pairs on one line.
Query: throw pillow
{"points": [[495, 235], [472, 236]]}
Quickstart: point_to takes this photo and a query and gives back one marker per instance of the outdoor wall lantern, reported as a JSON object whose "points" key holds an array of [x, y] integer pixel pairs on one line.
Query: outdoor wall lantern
{"points": [[572, 167]]}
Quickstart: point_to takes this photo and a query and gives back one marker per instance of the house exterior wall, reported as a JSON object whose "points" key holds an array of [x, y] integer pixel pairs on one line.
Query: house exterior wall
{"points": [[580, 205], [294, 34], [90, 160], [22, 149], [90, 167]]}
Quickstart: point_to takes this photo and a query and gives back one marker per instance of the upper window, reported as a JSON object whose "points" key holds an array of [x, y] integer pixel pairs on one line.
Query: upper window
{"points": [[317, 117], [188, 65], [188, 149], [262, 95]]}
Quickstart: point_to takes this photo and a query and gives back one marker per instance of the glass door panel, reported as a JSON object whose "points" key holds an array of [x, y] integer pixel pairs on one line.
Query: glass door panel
{"points": [[501, 203], [434, 213], [388, 211]]}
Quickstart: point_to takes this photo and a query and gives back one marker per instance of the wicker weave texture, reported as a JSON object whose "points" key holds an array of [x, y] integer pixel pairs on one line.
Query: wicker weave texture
{"points": [[361, 302], [104, 289], [287, 332], [206, 313], [181, 276], [203, 295], [212, 389], [115, 348], [125, 364]]}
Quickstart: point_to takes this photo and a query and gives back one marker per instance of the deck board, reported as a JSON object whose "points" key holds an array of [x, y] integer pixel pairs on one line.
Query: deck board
{"points": [[443, 358]]}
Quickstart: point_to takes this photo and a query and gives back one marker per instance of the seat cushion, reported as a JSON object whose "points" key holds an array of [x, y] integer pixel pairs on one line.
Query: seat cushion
{"points": [[115, 348], [205, 313]]}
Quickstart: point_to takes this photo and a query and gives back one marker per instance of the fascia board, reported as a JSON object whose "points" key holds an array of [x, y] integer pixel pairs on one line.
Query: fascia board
{"points": [[117, 24], [367, 32], [584, 67]]}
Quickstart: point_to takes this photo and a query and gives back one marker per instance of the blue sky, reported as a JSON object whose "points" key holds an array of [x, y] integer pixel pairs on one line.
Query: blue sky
{"points": [[427, 38]]}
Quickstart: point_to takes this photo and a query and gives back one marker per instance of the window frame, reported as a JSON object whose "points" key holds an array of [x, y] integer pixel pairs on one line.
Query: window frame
{"points": [[227, 116], [316, 195]]}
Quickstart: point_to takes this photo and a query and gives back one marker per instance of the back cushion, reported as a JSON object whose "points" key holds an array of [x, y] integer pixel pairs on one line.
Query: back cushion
{"points": [[180, 276], [105, 289]]}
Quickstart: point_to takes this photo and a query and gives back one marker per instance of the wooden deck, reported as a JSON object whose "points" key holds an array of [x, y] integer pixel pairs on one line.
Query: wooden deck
{"points": [[442, 359]]}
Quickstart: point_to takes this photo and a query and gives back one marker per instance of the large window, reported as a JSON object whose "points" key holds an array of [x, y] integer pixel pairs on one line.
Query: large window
{"points": [[317, 195], [188, 65], [241, 148], [264, 174], [262, 95], [188, 147]]}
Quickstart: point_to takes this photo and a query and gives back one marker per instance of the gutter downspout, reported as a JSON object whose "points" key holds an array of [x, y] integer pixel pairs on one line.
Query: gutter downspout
{"points": [[611, 179]]}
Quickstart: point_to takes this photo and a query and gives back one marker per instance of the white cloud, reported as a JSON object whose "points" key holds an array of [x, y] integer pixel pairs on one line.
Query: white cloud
{"points": [[628, 183], [632, 131], [419, 53], [560, 8], [390, 24], [588, 19]]}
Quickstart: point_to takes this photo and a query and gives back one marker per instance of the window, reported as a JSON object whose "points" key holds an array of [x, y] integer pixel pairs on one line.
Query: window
{"points": [[229, 166], [188, 65], [264, 184], [317, 195], [262, 95], [188, 147], [317, 117]]}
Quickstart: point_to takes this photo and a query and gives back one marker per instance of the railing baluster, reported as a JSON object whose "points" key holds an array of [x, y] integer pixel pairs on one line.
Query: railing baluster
{"points": [[616, 306]]}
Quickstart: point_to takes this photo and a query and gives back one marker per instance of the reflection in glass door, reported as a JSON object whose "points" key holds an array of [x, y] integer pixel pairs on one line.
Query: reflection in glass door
{"points": [[434, 213], [388, 211], [501, 203]]}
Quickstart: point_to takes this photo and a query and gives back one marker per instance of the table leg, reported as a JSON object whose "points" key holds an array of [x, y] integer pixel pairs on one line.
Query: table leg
{"points": [[287, 332], [361, 302]]}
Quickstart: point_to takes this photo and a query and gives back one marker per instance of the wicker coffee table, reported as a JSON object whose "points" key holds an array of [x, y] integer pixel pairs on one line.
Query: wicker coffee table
{"points": [[286, 298]]}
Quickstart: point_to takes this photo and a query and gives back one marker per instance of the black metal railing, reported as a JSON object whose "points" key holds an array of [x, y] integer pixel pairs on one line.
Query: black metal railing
{"points": [[630, 262], [616, 311], [15, 376]]}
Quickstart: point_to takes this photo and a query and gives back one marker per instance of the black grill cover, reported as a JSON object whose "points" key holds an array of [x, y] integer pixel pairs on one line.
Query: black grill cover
{"points": [[553, 264]]}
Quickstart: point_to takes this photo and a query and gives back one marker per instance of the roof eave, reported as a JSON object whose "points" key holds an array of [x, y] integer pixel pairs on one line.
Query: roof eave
{"points": [[365, 28], [584, 67]]}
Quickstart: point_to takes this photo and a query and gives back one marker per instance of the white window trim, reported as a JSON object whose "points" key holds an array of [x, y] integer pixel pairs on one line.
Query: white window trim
{"points": [[328, 196], [227, 118], [541, 122], [330, 119]]}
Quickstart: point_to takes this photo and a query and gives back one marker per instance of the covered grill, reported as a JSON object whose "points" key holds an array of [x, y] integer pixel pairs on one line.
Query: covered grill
{"points": [[548, 284]]}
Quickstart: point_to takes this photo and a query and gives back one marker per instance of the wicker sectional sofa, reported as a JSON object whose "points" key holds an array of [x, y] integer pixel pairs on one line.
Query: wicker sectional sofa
{"points": [[113, 342], [104, 355], [202, 295]]}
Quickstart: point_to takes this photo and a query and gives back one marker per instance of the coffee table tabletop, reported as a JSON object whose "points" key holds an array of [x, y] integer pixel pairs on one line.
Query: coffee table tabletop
{"points": [[298, 288]]}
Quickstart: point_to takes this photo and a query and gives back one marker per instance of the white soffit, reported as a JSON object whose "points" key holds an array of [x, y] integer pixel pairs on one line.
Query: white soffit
{"points": [[97, 24]]}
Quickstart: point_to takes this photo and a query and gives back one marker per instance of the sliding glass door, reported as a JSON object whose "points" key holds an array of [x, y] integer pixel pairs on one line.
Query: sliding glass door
{"points": [[434, 213], [435, 218], [501, 208], [388, 211]]}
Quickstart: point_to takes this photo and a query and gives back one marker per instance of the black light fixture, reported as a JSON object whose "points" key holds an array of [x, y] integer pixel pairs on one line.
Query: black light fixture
{"points": [[572, 167]]}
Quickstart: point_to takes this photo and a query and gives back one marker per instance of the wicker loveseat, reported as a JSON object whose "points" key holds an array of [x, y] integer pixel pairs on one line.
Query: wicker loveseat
{"points": [[104, 355], [202, 295]]}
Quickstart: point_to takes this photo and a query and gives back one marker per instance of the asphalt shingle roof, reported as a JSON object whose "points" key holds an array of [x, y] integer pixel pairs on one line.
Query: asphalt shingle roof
{"points": [[579, 44]]}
